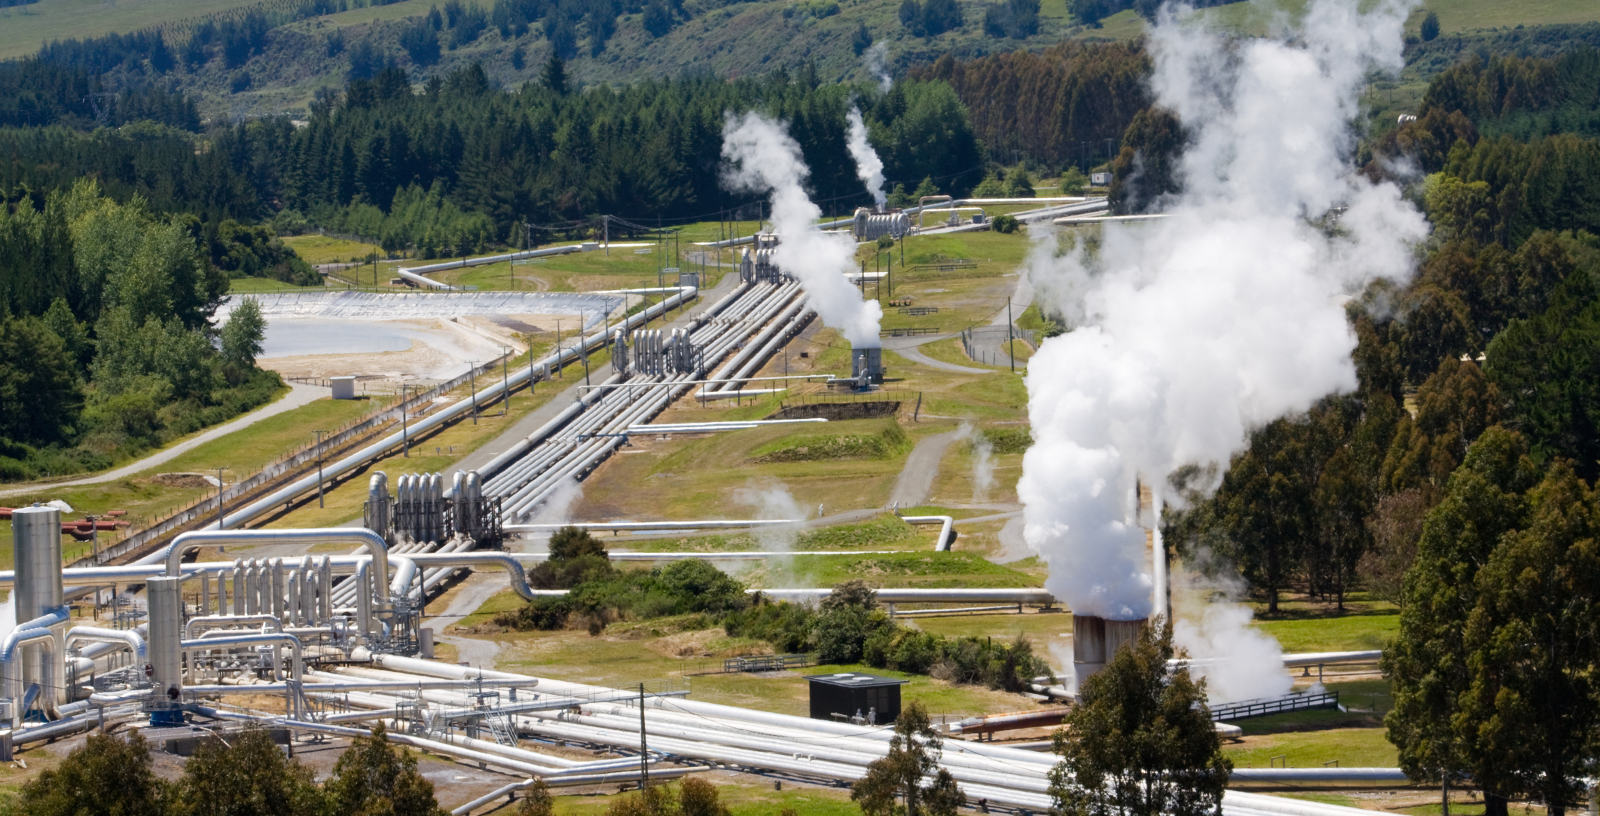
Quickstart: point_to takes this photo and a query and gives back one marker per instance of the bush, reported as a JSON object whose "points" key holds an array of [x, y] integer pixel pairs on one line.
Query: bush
{"points": [[887, 443], [1005, 224], [1008, 440]]}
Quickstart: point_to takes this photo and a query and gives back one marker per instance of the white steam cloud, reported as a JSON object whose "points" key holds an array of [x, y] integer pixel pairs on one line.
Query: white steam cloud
{"points": [[877, 58], [557, 509], [1194, 329], [982, 460], [869, 168], [772, 501], [761, 157], [1237, 661]]}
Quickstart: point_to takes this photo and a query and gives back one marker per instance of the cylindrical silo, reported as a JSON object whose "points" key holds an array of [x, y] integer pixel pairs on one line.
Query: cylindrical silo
{"points": [[165, 643]]}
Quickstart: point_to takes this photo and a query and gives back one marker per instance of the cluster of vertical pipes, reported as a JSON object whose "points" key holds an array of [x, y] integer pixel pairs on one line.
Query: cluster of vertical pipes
{"points": [[758, 264], [664, 351]]}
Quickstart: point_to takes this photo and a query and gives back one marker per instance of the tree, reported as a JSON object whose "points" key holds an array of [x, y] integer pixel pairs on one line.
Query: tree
{"points": [[1395, 525], [657, 18], [554, 75], [108, 776], [1532, 708], [246, 776], [1146, 169], [40, 398], [1430, 27], [1483, 501], [537, 801], [1140, 743], [848, 617], [373, 777], [242, 335], [913, 755], [697, 797]]}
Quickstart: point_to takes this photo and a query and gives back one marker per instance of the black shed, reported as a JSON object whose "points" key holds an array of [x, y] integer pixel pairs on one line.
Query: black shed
{"points": [[843, 696]]}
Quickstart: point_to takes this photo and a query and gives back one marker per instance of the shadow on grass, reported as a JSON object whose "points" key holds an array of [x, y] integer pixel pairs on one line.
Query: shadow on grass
{"points": [[1321, 720]]}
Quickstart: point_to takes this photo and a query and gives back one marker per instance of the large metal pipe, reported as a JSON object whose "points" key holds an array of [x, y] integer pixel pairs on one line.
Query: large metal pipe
{"points": [[198, 625], [165, 668], [360, 458], [618, 526], [368, 540], [946, 526], [36, 542], [124, 637], [38, 636]]}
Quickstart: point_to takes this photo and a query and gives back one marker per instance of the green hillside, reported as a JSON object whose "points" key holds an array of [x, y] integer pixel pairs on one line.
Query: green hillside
{"points": [[305, 53]]}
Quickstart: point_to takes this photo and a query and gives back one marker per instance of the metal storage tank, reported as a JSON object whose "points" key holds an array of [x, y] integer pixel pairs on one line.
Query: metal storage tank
{"points": [[166, 638], [36, 542]]}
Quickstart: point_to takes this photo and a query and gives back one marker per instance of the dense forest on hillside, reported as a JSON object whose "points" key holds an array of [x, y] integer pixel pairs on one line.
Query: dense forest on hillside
{"points": [[468, 163], [105, 336]]}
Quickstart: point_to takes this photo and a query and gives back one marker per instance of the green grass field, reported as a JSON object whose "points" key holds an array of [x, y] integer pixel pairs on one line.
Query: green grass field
{"points": [[1306, 626], [321, 249], [243, 452], [24, 28]]}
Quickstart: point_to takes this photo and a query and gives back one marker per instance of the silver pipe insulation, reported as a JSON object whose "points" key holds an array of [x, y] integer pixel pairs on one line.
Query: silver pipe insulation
{"points": [[360, 458], [942, 544], [374, 544], [618, 526], [41, 633], [117, 637]]}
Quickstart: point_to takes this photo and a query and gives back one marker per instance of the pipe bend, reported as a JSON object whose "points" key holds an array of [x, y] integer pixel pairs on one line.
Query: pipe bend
{"points": [[96, 633], [369, 540]]}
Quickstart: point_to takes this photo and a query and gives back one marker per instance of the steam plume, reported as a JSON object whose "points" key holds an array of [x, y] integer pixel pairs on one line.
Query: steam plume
{"points": [[1236, 660], [982, 460], [878, 65], [869, 168], [761, 157], [1194, 329], [558, 508]]}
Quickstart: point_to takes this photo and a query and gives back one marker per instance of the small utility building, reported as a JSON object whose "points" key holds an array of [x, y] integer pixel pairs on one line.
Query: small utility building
{"points": [[843, 696]]}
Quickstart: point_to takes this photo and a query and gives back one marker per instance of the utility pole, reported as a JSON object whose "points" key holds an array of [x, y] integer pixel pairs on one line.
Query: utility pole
{"points": [[505, 380], [558, 347], [319, 434], [644, 750], [219, 497], [1011, 337], [94, 538], [405, 440], [472, 385]]}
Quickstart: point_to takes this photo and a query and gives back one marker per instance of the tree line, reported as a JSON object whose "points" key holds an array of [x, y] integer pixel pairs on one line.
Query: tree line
{"points": [[106, 344], [1055, 107], [244, 774], [1457, 479]]}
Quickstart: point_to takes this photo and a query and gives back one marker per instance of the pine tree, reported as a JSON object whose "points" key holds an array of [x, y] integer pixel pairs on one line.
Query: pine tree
{"points": [[1140, 743]]}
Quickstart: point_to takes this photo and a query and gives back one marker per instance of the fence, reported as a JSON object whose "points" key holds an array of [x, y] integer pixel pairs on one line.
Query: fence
{"points": [[1229, 712], [340, 441], [987, 344], [913, 332], [766, 663]]}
